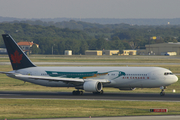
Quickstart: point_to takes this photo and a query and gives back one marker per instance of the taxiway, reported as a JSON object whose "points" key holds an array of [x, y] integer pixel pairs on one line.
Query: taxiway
{"points": [[89, 96]]}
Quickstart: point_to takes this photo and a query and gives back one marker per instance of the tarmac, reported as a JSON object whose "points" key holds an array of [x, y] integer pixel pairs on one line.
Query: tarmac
{"points": [[173, 117]]}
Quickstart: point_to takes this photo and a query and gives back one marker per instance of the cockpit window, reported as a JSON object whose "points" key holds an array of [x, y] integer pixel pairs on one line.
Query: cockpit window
{"points": [[167, 73]]}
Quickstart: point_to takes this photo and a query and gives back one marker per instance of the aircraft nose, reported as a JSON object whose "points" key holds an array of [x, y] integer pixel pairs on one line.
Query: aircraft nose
{"points": [[175, 79]]}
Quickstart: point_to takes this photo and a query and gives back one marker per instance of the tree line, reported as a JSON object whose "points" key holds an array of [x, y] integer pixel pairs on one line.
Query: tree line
{"points": [[89, 37]]}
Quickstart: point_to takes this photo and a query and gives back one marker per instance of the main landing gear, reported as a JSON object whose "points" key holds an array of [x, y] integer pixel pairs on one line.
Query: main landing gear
{"points": [[162, 93], [77, 92], [101, 92]]}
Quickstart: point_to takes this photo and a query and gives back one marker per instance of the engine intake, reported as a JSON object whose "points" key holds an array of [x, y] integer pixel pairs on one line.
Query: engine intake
{"points": [[93, 86]]}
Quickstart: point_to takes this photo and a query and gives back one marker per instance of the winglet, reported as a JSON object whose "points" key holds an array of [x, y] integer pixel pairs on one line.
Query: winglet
{"points": [[18, 58]]}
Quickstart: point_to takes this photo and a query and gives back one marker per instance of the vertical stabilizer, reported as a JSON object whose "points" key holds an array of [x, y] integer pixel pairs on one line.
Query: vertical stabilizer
{"points": [[18, 58]]}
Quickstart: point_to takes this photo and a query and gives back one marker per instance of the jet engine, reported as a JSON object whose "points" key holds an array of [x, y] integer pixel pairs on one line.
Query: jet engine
{"points": [[93, 86]]}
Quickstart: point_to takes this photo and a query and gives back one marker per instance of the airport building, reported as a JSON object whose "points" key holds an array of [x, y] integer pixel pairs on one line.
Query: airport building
{"points": [[68, 52], [26, 46], [3, 51], [101, 52], [93, 52], [129, 52], [110, 52], [169, 48]]}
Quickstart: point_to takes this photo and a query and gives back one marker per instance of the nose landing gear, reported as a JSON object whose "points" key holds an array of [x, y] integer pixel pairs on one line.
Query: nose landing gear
{"points": [[162, 93]]}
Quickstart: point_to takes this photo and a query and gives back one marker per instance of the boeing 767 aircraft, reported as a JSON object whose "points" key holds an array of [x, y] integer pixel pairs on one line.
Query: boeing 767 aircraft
{"points": [[91, 79]]}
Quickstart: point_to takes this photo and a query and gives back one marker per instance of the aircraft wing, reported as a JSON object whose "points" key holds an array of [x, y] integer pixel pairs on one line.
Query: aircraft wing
{"points": [[74, 80], [6, 72]]}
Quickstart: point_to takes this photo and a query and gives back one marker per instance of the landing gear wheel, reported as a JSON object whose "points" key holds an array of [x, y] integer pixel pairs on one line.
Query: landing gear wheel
{"points": [[81, 92], [77, 92], [101, 92], [162, 93]]}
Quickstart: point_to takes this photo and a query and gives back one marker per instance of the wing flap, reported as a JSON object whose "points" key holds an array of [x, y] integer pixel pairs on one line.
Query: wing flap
{"points": [[50, 78]]}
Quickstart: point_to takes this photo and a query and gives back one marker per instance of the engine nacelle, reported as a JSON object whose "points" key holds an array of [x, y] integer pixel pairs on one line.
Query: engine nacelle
{"points": [[93, 86], [127, 88]]}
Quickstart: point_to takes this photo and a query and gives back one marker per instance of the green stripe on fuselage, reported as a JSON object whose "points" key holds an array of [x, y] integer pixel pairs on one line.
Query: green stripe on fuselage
{"points": [[71, 74], [83, 75]]}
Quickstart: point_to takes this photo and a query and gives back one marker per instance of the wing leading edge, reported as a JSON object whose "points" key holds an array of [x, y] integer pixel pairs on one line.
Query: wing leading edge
{"points": [[76, 80]]}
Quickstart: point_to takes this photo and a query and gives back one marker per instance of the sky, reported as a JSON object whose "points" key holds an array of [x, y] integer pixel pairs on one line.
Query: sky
{"points": [[90, 8]]}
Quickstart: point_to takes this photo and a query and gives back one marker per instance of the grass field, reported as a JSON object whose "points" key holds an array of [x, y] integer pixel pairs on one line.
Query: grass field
{"points": [[84, 58], [29, 108]]}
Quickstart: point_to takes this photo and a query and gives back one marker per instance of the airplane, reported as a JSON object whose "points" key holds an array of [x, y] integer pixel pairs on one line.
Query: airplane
{"points": [[89, 79]]}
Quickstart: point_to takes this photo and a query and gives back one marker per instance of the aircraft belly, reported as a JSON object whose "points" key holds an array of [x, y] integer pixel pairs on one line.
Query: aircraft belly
{"points": [[152, 83], [122, 83], [138, 83], [47, 83]]}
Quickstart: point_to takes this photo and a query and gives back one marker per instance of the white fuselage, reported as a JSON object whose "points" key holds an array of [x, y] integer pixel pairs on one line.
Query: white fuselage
{"points": [[119, 77]]}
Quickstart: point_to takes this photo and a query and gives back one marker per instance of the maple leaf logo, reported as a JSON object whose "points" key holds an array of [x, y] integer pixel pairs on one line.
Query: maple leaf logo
{"points": [[16, 58]]}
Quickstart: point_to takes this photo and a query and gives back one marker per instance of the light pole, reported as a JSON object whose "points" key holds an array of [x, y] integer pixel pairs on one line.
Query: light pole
{"points": [[52, 49]]}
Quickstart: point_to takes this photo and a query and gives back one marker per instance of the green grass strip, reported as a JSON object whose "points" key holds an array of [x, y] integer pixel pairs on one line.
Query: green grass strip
{"points": [[42, 108]]}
